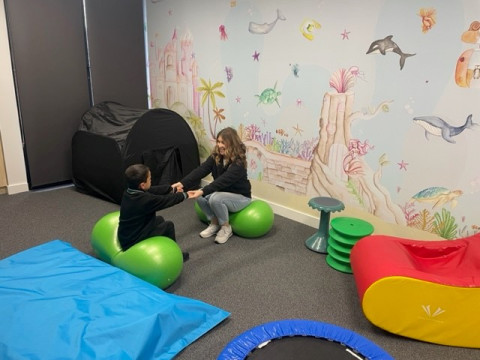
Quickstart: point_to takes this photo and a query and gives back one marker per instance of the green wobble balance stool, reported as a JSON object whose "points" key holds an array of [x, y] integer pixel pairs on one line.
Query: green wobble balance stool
{"points": [[326, 205], [157, 260]]}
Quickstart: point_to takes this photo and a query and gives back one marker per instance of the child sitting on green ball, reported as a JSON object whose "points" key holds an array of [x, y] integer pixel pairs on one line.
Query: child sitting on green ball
{"points": [[140, 202]]}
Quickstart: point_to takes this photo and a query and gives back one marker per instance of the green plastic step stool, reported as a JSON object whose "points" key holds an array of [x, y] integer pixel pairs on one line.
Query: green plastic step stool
{"points": [[344, 233]]}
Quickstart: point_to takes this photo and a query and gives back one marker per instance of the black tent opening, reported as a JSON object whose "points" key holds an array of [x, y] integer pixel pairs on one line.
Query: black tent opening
{"points": [[112, 137]]}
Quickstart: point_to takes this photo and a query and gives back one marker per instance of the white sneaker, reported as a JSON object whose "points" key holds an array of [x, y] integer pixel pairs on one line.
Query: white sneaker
{"points": [[211, 230], [224, 234]]}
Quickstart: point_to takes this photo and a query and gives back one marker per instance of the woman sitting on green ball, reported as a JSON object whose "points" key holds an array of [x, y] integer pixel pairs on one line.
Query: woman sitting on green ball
{"points": [[230, 190]]}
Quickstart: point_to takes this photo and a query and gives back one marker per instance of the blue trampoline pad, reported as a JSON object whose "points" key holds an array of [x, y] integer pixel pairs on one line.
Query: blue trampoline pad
{"points": [[59, 303], [301, 339]]}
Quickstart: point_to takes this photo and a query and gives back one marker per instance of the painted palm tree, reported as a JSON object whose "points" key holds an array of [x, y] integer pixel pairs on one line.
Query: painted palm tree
{"points": [[210, 93], [219, 117]]}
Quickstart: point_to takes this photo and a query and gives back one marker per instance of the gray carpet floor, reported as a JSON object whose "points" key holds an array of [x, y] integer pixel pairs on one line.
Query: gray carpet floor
{"points": [[257, 280]]}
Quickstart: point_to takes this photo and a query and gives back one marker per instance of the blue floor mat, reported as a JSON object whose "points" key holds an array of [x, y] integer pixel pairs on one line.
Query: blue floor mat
{"points": [[59, 303]]}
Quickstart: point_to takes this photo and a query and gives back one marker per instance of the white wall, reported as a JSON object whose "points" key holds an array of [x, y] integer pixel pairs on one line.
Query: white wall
{"points": [[9, 121], [400, 175]]}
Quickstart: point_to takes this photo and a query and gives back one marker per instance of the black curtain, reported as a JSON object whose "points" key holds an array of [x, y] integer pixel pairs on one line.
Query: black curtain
{"points": [[50, 68], [54, 84], [116, 42]]}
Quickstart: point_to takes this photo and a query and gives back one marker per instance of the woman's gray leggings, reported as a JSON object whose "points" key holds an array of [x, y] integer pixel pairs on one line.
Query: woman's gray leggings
{"points": [[219, 204]]}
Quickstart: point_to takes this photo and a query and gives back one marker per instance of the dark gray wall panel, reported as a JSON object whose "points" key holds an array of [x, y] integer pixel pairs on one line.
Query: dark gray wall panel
{"points": [[115, 32], [49, 54]]}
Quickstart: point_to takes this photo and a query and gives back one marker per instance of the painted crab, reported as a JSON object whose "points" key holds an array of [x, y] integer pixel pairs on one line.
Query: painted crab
{"points": [[438, 196], [269, 95]]}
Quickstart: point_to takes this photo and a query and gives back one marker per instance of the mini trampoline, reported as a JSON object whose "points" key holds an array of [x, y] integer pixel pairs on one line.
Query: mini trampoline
{"points": [[301, 340]]}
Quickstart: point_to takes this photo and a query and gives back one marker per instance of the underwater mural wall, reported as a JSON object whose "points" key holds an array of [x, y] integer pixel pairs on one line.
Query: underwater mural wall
{"points": [[374, 103]]}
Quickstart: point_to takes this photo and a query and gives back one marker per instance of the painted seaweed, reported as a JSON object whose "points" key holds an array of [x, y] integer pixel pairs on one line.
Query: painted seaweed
{"points": [[445, 225], [424, 221], [352, 188]]}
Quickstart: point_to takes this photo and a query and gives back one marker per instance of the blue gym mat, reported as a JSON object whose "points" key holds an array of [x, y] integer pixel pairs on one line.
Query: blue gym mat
{"points": [[59, 303]]}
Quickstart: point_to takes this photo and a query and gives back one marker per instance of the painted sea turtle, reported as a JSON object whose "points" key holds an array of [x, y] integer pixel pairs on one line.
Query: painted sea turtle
{"points": [[269, 95], [438, 196]]}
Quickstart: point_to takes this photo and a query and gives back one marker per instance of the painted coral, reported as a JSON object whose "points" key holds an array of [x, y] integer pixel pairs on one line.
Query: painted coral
{"points": [[343, 80]]}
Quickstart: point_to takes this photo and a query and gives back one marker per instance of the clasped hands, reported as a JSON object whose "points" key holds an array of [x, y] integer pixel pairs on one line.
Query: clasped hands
{"points": [[192, 194]]}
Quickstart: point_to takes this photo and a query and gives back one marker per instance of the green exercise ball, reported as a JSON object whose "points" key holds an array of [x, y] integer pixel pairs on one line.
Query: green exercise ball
{"points": [[104, 237], [157, 260], [255, 220], [200, 214]]}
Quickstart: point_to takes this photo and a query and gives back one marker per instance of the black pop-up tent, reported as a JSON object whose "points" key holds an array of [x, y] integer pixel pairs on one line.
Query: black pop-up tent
{"points": [[112, 137]]}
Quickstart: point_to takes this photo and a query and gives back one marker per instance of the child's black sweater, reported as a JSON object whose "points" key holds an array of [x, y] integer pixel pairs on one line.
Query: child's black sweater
{"points": [[138, 212]]}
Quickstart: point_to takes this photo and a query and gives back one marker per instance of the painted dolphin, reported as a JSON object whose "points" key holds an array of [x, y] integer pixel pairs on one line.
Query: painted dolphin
{"points": [[384, 45], [265, 28], [438, 127]]}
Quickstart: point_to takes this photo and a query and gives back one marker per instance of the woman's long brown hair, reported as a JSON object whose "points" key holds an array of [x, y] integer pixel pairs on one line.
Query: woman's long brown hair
{"points": [[235, 150]]}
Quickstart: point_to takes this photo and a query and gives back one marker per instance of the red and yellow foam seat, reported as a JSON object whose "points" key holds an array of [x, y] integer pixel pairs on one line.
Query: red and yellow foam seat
{"points": [[425, 290]]}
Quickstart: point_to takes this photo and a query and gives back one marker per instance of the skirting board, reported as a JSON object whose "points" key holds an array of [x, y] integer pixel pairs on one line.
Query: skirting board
{"points": [[293, 214], [17, 188]]}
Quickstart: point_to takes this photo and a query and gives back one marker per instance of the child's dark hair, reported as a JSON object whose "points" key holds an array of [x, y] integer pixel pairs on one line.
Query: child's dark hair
{"points": [[136, 174]]}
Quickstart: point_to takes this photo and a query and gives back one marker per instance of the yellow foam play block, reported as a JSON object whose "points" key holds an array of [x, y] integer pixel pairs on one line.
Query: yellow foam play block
{"points": [[424, 310]]}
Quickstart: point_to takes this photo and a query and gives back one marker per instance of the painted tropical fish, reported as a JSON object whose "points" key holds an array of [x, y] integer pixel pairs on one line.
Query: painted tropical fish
{"points": [[429, 18], [295, 70], [438, 196], [436, 126], [265, 28], [268, 96], [307, 28], [383, 46]]}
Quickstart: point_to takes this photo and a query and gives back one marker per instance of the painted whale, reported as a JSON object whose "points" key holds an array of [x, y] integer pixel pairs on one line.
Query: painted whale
{"points": [[265, 28], [385, 45], [436, 126]]}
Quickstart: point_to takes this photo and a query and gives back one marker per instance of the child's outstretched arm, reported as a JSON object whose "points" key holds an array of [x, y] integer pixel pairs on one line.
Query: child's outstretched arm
{"points": [[162, 189], [177, 187]]}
